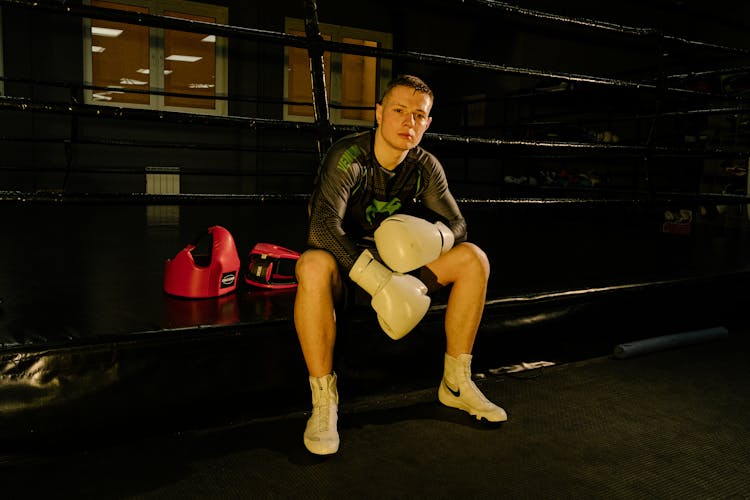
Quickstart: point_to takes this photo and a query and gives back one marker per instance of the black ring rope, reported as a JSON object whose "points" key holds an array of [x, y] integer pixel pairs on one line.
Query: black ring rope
{"points": [[268, 123], [201, 198]]}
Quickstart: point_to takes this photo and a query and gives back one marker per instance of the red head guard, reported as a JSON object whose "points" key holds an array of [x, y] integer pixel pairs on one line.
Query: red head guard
{"points": [[204, 276], [271, 266]]}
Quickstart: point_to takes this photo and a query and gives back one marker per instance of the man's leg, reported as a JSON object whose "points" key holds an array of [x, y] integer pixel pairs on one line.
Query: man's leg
{"points": [[318, 287], [467, 268]]}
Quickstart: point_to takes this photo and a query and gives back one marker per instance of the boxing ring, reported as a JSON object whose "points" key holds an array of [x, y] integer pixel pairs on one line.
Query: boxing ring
{"points": [[654, 240]]}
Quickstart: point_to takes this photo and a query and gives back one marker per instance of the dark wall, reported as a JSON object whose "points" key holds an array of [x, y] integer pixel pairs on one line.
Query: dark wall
{"points": [[65, 151]]}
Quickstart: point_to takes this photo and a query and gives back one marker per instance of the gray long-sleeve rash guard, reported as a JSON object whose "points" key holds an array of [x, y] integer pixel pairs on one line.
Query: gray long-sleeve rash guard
{"points": [[354, 194]]}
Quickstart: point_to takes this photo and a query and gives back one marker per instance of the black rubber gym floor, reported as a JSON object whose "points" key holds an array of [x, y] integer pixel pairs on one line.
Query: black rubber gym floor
{"points": [[668, 424]]}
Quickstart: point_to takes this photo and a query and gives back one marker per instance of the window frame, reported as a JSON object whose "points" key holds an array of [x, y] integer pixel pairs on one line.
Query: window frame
{"points": [[338, 33], [157, 57]]}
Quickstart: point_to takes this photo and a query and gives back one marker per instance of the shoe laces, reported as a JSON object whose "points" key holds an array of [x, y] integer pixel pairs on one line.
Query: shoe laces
{"points": [[322, 409]]}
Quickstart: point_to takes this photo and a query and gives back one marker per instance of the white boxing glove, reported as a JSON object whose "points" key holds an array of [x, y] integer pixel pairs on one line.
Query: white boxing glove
{"points": [[400, 300], [406, 242]]}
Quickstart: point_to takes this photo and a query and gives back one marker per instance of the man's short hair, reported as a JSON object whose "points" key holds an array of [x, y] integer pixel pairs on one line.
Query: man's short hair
{"points": [[410, 81]]}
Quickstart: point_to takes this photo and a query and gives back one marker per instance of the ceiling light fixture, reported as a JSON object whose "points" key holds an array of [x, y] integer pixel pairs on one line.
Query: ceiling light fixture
{"points": [[130, 81], [108, 32], [181, 58]]}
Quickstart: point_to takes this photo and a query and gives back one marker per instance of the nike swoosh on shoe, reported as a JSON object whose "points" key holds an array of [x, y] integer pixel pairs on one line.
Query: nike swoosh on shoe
{"points": [[456, 393]]}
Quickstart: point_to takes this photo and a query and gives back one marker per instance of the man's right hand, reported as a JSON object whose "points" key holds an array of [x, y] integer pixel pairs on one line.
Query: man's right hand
{"points": [[400, 300]]}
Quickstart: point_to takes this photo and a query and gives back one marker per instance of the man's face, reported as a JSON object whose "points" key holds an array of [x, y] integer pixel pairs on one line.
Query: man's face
{"points": [[404, 117]]}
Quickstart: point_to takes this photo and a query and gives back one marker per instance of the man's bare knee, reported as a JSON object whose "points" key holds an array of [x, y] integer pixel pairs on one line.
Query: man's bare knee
{"points": [[473, 258], [316, 268]]}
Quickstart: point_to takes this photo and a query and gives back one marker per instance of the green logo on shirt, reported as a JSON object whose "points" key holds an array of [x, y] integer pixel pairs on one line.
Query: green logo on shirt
{"points": [[382, 207], [349, 157]]}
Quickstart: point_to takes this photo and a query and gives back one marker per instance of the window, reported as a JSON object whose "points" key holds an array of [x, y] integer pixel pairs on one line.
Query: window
{"points": [[351, 80], [127, 61]]}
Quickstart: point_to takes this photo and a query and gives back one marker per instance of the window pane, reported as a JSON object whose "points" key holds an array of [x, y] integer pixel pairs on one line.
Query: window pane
{"points": [[300, 83], [358, 77], [119, 58], [189, 65]]}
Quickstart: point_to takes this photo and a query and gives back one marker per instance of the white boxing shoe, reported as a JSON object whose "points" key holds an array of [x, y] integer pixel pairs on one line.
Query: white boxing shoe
{"points": [[458, 390], [321, 433]]}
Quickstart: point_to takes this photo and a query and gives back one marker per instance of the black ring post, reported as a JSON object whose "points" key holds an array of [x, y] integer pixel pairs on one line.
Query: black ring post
{"points": [[318, 77]]}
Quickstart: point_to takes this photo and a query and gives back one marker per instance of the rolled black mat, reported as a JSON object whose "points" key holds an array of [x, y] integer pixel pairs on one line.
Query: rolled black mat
{"points": [[630, 349]]}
